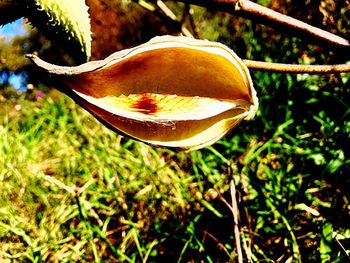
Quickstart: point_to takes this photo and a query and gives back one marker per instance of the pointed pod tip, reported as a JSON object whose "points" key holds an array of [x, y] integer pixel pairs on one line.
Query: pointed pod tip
{"points": [[48, 67], [39, 62], [31, 57]]}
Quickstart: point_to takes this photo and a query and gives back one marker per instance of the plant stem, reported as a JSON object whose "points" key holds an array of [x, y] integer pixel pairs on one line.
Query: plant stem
{"points": [[293, 68], [286, 23], [235, 212]]}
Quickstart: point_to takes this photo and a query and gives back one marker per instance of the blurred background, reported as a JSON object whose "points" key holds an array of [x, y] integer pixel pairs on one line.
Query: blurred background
{"points": [[72, 190]]}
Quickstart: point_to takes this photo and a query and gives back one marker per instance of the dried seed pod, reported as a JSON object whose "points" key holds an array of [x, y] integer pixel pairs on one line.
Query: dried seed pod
{"points": [[171, 91]]}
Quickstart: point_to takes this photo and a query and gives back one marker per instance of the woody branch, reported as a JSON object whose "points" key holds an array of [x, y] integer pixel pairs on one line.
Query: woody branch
{"points": [[267, 16], [264, 15]]}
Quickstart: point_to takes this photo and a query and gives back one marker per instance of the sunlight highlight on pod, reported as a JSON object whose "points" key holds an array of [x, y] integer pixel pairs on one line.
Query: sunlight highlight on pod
{"points": [[171, 91]]}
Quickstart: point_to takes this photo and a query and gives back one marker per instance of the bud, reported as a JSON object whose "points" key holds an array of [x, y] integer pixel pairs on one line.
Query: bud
{"points": [[171, 91]]}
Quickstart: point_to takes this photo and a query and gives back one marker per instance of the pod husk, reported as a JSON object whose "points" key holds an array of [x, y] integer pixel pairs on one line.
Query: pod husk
{"points": [[171, 91]]}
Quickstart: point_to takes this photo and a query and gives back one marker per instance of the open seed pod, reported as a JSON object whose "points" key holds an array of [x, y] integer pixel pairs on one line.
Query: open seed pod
{"points": [[171, 91]]}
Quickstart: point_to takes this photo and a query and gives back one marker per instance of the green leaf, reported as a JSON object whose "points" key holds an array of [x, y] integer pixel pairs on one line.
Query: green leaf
{"points": [[64, 20], [326, 239]]}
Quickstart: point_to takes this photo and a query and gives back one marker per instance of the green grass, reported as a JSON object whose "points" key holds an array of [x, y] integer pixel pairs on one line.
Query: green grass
{"points": [[74, 191]]}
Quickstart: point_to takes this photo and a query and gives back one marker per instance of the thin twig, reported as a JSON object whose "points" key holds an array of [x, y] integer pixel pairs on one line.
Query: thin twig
{"points": [[160, 9], [254, 11], [267, 16], [188, 14], [171, 16], [294, 68], [278, 215], [165, 9], [235, 212], [342, 247], [218, 242], [272, 18]]}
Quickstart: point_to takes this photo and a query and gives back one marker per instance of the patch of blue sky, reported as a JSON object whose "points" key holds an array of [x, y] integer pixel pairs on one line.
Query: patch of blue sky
{"points": [[13, 29], [17, 81]]}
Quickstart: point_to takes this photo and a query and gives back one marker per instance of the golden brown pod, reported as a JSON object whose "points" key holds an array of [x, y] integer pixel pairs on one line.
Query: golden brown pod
{"points": [[171, 91]]}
